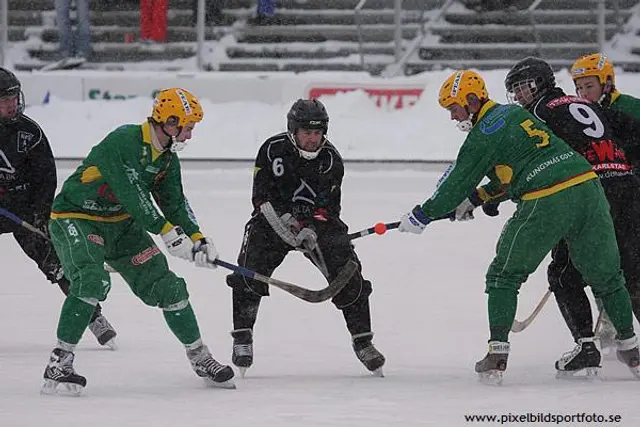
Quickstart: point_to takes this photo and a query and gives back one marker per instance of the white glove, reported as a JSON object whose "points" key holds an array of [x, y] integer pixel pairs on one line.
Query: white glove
{"points": [[290, 222], [464, 211], [205, 253], [413, 222], [307, 239], [178, 244]]}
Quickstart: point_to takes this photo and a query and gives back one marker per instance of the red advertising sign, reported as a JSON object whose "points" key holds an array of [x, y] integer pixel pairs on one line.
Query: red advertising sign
{"points": [[389, 98]]}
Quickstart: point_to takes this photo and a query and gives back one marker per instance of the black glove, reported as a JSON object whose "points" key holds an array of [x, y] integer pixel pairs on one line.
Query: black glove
{"points": [[491, 209], [40, 220]]}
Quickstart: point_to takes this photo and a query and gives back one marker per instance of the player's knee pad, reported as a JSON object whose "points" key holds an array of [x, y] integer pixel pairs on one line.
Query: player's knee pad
{"points": [[244, 284], [163, 291], [90, 282], [356, 289]]}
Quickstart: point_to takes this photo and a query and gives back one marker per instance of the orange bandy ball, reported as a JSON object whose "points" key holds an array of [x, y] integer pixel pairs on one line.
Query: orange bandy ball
{"points": [[380, 228]]}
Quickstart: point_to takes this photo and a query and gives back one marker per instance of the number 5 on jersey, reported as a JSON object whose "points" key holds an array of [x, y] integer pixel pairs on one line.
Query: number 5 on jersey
{"points": [[527, 125]]}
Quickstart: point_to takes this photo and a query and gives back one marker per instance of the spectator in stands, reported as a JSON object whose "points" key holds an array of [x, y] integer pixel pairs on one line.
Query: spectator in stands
{"points": [[265, 13], [78, 44], [212, 10], [153, 20]]}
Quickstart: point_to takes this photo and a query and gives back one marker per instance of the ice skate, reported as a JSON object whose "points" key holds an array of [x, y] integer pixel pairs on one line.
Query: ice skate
{"points": [[242, 355], [370, 357], [491, 369], [214, 373], [583, 362], [629, 354], [59, 371], [104, 332]]}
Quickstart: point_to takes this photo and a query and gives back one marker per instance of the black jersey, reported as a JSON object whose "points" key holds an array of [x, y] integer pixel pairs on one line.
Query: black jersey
{"points": [[27, 168], [586, 129], [294, 184]]}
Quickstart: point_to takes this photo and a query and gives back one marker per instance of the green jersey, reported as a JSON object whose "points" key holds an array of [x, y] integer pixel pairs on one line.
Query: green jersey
{"points": [[626, 104], [118, 179], [520, 154]]}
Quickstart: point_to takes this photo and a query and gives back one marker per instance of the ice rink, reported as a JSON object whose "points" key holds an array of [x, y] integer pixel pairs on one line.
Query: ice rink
{"points": [[429, 317]]}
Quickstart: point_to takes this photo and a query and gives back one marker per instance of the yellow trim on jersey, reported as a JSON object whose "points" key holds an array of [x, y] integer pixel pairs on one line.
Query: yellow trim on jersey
{"points": [[147, 138], [484, 109], [544, 192], [504, 173], [90, 174], [77, 215], [615, 95]]}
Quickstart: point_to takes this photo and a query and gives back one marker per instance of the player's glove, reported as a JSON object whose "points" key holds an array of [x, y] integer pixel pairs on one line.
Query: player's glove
{"points": [[307, 239], [464, 211], [40, 220], [178, 243], [491, 209], [205, 253], [414, 222]]}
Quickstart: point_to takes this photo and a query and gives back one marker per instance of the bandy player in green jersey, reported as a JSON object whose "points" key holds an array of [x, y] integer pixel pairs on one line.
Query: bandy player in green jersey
{"points": [[557, 195], [105, 213]]}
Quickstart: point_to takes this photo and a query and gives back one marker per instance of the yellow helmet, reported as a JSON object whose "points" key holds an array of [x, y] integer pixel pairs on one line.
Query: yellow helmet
{"points": [[595, 64], [176, 102], [460, 84]]}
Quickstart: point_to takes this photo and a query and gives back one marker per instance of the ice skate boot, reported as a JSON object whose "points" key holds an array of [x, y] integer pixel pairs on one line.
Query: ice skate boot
{"points": [[370, 357], [491, 369], [59, 371], [583, 362], [104, 332], [629, 354], [214, 373], [242, 355]]}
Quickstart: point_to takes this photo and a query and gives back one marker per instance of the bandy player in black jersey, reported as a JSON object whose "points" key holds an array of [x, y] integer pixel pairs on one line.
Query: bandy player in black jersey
{"points": [[297, 187], [584, 126]]}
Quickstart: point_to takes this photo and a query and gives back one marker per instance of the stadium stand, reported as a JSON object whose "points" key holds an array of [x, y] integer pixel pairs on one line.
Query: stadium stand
{"points": [[325, 35]]}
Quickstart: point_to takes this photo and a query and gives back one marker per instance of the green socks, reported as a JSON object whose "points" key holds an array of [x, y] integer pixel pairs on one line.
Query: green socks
{"points": [[74, 318], [183, 324]]}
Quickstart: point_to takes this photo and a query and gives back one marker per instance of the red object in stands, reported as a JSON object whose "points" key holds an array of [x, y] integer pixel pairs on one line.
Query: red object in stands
{"points": [[153, 20]]}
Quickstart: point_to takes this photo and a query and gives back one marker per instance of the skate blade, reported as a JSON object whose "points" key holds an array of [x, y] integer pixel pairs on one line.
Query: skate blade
{"points": [[378, 373], [242, 371], [111, 344], [229, 384], [586, 374], [492, 377], [50, 387]]}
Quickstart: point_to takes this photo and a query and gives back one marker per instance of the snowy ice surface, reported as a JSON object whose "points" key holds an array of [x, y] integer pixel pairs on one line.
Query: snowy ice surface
{"points": [[429, 317]]}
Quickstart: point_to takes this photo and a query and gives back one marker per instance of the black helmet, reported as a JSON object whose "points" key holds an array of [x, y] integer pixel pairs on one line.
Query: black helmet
{"points": [[10, 86], [307, 114], [528, 80]]}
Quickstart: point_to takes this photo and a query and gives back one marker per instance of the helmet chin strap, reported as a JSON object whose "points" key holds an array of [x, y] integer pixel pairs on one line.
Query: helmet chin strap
{"points": [[466, 125], [174, 146], [308, 155]]}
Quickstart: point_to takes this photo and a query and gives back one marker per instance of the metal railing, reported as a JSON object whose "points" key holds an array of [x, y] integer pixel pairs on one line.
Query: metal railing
{"points": [[4, 31], [356, 13], [425, 30], [397, 36], [532, 20]]}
